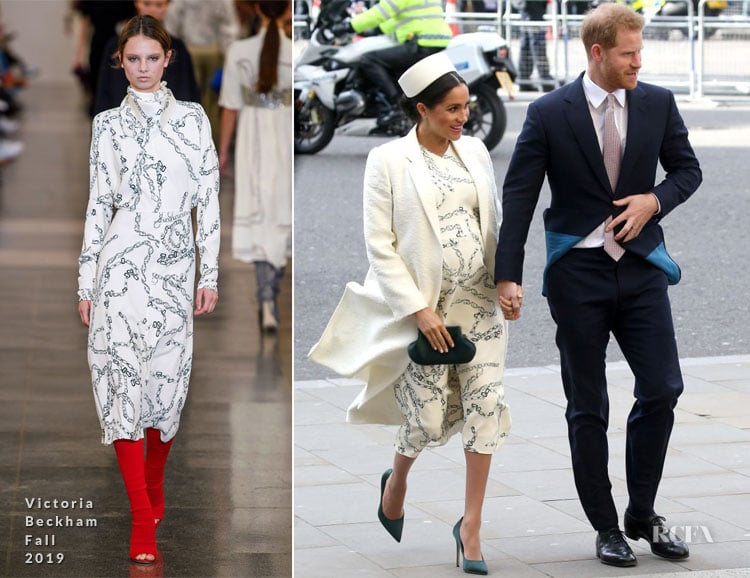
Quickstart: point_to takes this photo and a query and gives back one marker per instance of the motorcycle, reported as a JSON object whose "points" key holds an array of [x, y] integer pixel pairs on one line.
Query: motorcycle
{"points": [[330, 92], [672, 13]]}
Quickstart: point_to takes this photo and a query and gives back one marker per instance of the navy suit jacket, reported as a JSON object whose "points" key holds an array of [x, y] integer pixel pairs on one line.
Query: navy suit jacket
{"points": [[559, 140]]}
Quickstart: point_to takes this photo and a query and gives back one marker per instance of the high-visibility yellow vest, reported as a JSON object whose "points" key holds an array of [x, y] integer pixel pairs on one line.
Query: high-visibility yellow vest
{"points": [[422, 20]]}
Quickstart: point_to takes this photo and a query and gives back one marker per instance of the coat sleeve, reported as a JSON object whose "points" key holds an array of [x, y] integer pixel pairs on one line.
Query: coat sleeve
{"points": [[388, 266], [523, 182], [206, 201], [104, 179], [683, 173]]}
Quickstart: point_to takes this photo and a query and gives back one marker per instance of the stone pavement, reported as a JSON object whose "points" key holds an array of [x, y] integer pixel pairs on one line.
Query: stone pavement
{"points": [[533, 523]]}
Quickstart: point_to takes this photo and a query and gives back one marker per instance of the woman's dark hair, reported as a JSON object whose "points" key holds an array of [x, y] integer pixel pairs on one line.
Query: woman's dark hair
{"points": [[147, 26], [269, 54], [431, 96]]}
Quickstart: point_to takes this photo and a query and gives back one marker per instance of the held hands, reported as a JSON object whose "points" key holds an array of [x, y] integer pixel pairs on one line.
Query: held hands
{"points": [[205, 301], [510, 295], [638, 212], [430, 323]]}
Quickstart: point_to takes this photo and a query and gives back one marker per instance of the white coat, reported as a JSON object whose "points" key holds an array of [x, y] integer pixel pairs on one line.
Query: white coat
{"points": [[368, 333]]}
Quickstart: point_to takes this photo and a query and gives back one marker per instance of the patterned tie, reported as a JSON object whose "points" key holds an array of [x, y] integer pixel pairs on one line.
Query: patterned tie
{"points": [[612, 151]]}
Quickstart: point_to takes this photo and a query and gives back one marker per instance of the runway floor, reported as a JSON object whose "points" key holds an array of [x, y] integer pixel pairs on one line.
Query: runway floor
{"points": [[228, 478]]}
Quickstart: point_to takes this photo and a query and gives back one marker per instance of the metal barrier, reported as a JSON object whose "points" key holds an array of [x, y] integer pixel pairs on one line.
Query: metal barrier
{"points": [[689, 51], [704, 51], [723, 49]]}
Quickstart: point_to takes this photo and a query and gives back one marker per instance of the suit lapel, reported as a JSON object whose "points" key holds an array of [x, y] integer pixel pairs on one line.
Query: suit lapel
{"points": [[421, 180], [579, 119]]}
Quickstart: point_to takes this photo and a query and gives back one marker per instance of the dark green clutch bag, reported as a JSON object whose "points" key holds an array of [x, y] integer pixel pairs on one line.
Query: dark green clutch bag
{"points": [[421, 352]]}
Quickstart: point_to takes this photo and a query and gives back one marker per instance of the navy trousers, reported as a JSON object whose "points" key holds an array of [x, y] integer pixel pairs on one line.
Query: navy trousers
{"points": [[590, 296]]}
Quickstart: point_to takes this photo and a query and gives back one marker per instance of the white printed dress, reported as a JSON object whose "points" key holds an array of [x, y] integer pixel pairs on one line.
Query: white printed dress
{"points": [[262, 223], [437, 401], [152, 160]]}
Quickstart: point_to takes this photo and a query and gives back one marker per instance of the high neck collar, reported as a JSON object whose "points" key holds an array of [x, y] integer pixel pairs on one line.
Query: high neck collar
{"points": [[157, 95], [146, 106]]}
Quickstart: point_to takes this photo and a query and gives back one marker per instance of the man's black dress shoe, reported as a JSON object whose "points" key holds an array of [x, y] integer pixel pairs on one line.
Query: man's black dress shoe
{"points": [[653, 529], [612, 549]]}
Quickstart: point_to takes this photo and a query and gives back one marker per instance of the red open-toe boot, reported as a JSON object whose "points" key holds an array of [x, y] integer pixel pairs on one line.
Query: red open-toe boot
{"points": [[157, 452], [142, 531]]}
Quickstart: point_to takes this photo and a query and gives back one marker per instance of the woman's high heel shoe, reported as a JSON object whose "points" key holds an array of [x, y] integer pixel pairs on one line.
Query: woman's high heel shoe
{"points": [[393, 527], [470, 566]]}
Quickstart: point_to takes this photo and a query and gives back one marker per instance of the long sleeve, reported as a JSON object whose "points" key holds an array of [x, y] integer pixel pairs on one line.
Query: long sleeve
{"points": [[523, 182], [683, 173], [372, 17], [104, 178], [206, 200]]}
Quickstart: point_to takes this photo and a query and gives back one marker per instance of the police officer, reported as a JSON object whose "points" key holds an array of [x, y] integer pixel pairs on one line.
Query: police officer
{"points": [[420, 29]]}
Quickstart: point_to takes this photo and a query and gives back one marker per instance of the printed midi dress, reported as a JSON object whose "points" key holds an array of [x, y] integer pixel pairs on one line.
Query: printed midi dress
{"points": [[152, 160], [439, 400]]}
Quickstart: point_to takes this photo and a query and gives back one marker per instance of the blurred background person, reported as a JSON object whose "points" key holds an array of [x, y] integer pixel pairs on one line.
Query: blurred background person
{"points": [[14, 75], [76, 25], [420, 30], [533, 52], [112, 85], [255, 96], [207, 28], [100, 19]]}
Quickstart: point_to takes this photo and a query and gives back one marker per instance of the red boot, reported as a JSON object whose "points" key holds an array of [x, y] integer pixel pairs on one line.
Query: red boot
{"points": [[143, 531], [156, 458]]}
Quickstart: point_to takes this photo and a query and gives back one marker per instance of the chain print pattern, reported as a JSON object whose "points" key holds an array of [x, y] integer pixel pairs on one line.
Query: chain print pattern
{"points": [[152, 160], [438, 401]]}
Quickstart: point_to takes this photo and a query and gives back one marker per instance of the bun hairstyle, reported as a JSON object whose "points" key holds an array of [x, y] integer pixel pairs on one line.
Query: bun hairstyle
{"points": [[147, 26], [431, 96]]}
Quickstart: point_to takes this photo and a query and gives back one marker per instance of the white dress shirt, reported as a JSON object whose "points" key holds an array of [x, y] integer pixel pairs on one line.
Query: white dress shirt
{"points": [[597, 100]]}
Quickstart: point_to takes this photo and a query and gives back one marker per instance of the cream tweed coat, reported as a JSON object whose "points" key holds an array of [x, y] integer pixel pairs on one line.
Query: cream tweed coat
{"points": [[373, 324]]}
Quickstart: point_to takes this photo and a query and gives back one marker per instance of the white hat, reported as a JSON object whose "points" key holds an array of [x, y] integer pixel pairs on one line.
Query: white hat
{"points": [[423, 73]]}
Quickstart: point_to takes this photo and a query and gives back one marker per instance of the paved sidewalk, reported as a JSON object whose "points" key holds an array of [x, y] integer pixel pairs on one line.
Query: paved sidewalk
{"points": [[533, 523]]}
